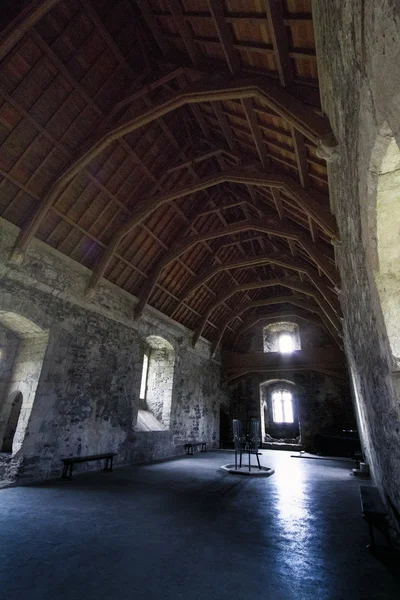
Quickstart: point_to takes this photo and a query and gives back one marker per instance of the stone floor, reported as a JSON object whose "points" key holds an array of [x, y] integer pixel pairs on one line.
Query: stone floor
{"points": [[185, 530]]}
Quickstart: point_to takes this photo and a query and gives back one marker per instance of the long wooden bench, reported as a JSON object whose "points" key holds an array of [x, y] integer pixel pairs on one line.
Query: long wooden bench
{"points": [[373, 512], [190, 446], [73, 460]]}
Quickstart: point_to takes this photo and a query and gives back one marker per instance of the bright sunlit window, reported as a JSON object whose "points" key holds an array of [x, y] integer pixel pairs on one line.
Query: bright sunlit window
{"points": [[285, 343], [143, 382], [282, 407]]}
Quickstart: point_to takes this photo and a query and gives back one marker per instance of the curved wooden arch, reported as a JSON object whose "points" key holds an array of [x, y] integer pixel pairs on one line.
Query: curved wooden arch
{"points": [[272, 258], [300, 116], [278, 316], [25, 20], [247, 176], [254, 285], [270, 302], [263, 226]]}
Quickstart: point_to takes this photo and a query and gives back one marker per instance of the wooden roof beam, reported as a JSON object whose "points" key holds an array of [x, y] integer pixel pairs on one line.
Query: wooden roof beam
{"points": [[278, 316], [154, 27], [147, 206], [184, 30], [253, 285], [280, 42], [256, 132], [224, 35], [224, 124], [275, 258], [13, 31], [183, 245], [301, 157], [271, 302], [300, 116]]}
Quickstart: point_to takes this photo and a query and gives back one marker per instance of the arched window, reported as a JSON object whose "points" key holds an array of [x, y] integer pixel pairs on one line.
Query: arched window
{"points": [[281, 337], [24, 346], [282, 406], [279, 411], [156, 385]]}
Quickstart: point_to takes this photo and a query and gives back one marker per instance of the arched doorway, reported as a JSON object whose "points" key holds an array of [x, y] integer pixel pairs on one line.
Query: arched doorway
{"points": [[16, 405], [24, 345]]}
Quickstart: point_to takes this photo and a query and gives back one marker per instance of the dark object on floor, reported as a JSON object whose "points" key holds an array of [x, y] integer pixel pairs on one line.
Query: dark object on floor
{"points": [[346, 443], [246, 437], [225, 444], [190, 446], [71, 461], [373, 512]]}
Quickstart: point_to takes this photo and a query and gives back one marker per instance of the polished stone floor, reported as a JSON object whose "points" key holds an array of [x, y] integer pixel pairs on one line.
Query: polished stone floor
{"points": [[183, 530]]}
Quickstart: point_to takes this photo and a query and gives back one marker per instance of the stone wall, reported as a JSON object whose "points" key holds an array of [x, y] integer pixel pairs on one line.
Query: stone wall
{"points": [[359, 71], [23, 378], [87, 398], [324, 402]]}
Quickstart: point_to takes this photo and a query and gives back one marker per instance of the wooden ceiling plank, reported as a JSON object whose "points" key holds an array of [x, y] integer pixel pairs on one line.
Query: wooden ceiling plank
{"points": [[276, 195], [224, 124], [280, 42], [15, 30], [271, 302], [225, 36], [107, 37], [198, 115], [301, 157], [248, 107], [294, 313], [224, 295], [147, 206], [154, 27], [184, 30], [187, 243], [311, 225], [283, 103], [298, 265], [242, 16]]}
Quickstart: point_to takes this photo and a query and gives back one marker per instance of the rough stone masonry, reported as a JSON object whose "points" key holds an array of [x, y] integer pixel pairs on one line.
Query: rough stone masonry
{"points": [[87, 389]]}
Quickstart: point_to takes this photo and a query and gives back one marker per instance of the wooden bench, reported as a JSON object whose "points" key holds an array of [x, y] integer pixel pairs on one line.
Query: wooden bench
{"points": [[190, 446], [373, 512], [71, 461]]}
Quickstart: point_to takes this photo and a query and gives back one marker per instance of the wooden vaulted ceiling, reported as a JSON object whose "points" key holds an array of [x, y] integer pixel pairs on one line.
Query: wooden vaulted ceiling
{"points": [[170, 146]]}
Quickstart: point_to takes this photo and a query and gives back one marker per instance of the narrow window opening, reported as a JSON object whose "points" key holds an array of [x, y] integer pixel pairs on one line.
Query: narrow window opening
{"points": [[286, 343], [282, 407], [143, 382], [12, 423]]}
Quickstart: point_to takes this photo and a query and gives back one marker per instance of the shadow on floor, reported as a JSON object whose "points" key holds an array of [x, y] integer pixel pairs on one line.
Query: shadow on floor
{"points": [[389, 558]]}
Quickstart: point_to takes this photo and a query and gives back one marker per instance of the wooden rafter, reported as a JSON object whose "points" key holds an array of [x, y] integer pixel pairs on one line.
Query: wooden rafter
{"points": [[301, 157], [278, 316], [313, 126], [280, 43], [224, 35], [146, 207], [289, 283], [184, 30], [14, 31], [276, 258], [258, 225], [270, 302], [256, 132], [154, 26], [137, 202]]}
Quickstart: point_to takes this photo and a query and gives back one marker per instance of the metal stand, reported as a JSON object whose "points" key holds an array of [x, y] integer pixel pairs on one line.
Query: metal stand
{"points": [[246, 438]]}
